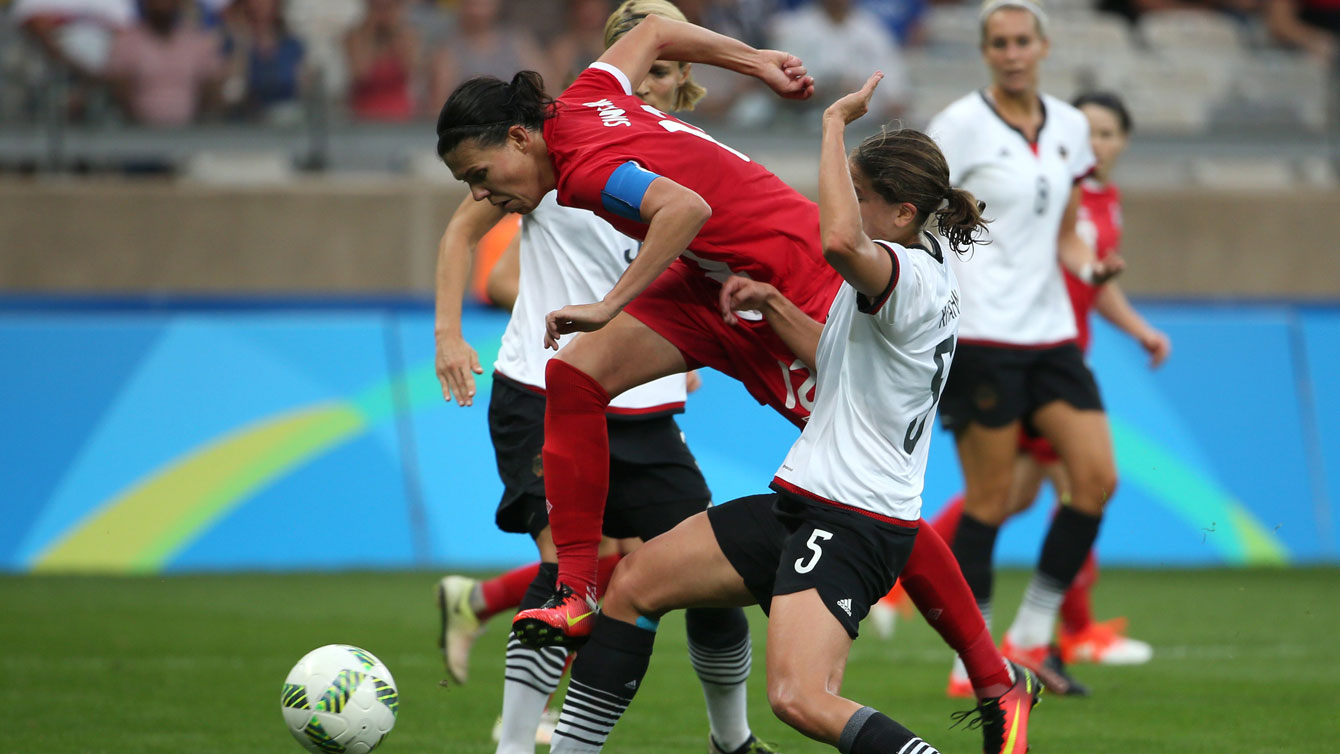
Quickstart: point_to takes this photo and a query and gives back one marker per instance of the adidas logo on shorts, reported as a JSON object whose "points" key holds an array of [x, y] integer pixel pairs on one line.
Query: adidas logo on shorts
{"points": [[845, 604]]}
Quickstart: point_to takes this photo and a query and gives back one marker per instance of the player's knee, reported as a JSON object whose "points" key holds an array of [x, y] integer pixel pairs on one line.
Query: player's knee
{"points": [[632, 592], [989, 503], [1093, 487], [790, 701]]}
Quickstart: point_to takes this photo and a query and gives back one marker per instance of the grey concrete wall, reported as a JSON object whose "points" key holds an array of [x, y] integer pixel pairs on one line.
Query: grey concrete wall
{"points": [[379, 236]]}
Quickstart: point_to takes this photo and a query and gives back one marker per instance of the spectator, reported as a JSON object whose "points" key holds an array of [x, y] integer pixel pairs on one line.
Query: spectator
{"points": [[1310, 25], [580, 43], [76, 35], [322, 25], [903, 19], [164, 70], [839, 42], [266, 61], [482, 45], [383, 52]]}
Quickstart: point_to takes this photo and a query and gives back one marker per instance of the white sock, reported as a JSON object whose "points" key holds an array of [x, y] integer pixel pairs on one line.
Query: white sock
{"points": [[532, 675], [1033, 623], [723, 673]]}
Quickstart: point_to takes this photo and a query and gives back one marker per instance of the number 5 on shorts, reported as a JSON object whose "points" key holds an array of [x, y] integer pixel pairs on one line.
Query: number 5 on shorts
{"points": [[813, 544]]}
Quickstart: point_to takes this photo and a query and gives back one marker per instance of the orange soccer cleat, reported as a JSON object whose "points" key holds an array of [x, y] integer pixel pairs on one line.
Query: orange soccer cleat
{"points": [[565, 620]]}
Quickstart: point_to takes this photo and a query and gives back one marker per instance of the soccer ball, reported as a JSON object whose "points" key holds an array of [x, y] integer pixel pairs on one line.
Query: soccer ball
{"points": [[339, 698]]}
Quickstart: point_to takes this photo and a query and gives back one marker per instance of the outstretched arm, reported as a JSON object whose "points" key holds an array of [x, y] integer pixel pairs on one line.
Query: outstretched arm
{"points": [[657, 38], [1116, 308], [846, 246], [457, 362], [793, 326], [674, 215]]}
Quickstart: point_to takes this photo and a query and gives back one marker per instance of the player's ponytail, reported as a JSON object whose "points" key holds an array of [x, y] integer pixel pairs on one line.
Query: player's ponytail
{"points": [[484, 108], [906, 166], [960, 219]]}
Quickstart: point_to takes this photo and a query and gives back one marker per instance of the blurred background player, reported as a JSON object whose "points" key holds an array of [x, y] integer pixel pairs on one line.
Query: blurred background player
{"points": [[1024, 153], [1081, 638], [569, 254], [845, 517]]}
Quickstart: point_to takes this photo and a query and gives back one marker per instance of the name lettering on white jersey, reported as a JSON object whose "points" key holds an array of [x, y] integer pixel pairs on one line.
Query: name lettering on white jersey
{"points": [[610, 114]]}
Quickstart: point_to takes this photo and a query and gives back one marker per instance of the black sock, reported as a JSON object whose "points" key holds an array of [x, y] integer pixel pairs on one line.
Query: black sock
{"points": [[541, 587], [605, 676], [974, 547], [1067, 545], [872, 732]]}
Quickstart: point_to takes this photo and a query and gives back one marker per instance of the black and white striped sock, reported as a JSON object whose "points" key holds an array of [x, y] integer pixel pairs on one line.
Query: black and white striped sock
{"points": [[605, 676], [721, 653], [588, 716], [870, 731], [531, 676]]}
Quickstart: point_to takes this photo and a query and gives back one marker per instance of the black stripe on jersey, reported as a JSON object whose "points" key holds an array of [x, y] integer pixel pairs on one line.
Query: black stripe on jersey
{"points": [[863, 303], [1042, 104], [935, 250]]}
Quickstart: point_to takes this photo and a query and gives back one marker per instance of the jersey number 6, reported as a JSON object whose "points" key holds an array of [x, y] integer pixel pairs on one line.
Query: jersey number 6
{"points": [[914, 430], [813, 544]]}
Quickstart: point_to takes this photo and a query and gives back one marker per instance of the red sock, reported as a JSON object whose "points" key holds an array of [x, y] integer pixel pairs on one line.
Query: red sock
{"points": [[934, 582], [1077, 608], [946, 521], [505, 592], [604, 570], [576, 461]]}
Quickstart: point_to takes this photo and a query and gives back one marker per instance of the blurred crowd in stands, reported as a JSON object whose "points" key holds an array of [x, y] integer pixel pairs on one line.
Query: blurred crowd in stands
{"points": [[166, 63]]}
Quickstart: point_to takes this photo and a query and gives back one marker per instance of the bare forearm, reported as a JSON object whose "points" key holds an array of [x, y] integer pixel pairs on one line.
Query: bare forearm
{"points": [[1116, 308], [794, 327], [839, 212], [676, 40], [454, 253], [1075, 255], [668, 234]]}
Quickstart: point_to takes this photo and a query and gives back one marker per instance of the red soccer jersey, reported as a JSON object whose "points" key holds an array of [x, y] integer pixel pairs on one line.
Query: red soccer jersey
{"points": [[760, 226], [1100, 225]]}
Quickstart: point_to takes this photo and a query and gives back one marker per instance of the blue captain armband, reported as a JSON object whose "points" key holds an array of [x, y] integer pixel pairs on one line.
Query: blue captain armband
{"points": [[624, 190]]}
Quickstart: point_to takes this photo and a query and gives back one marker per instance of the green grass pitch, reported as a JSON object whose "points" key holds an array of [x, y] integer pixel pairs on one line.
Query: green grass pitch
{"points": [[1245, 661]]}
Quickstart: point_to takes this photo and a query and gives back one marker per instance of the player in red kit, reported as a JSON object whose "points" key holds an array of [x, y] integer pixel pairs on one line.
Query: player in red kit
{"points": [[704, 212]]}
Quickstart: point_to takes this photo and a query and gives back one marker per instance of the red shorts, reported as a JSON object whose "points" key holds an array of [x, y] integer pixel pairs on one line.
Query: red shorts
{"points": [[1039, 447], [682, 307]]}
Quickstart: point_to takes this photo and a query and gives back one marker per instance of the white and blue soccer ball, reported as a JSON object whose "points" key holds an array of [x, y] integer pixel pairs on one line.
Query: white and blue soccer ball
{"points": [[339, 699]]}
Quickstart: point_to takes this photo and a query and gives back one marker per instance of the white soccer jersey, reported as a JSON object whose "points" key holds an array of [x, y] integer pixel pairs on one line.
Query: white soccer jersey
{"points": [[1013, 290], [882, 365], [570, 256]]}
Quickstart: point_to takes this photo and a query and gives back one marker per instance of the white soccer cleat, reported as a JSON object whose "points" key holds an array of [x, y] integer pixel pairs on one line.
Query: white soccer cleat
{"points": [[883, 619], [460, 625], [1104, 643]]}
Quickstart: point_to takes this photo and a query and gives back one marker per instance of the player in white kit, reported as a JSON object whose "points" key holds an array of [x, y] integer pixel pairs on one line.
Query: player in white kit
{"points": [[1024, 154], [570, 255], [847, 500]]}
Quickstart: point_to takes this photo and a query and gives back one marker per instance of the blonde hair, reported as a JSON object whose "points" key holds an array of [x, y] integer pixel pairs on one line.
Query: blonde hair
{"points": [[1032, 6], [628, 15]]}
